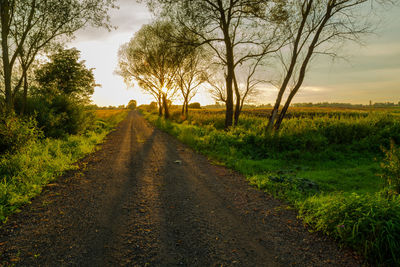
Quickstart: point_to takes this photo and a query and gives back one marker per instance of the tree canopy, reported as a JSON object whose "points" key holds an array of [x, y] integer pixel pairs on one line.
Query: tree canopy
{"points": [[150, 60], [29, 26], [66, 75]]}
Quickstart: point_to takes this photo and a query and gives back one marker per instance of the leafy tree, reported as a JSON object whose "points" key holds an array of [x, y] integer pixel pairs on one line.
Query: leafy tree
{"points": [[150, 59], [66, 75], [64, 87], [132, 104], [29, 26]]}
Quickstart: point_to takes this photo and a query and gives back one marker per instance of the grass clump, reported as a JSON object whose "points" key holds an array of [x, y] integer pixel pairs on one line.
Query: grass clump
{"points": [[16, 132], [367, 223], [391, 168]]}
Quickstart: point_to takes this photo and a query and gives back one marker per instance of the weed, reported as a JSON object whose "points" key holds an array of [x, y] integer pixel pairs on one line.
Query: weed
{"points": [[391, 168]]}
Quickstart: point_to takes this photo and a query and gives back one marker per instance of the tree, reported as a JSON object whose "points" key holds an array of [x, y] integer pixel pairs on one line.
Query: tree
{"points": [[190, 75], [64, 86], [245, 85], [195, 105], [149, 59], [230, 28], [66, 75], [27, 27], [313, 27], [248, 88], [132, 104]]}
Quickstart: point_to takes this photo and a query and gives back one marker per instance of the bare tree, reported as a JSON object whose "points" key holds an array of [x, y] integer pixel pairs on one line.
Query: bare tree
{"points": [[248, 87], [190, 75], [217, 85], [314, 27]]}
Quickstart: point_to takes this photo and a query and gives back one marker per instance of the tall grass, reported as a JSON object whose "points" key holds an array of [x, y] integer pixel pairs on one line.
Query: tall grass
{"points": [[325, 165]]}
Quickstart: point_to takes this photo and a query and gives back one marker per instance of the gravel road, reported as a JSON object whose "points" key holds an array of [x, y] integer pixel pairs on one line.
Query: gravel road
{"points": [[145, 199]]}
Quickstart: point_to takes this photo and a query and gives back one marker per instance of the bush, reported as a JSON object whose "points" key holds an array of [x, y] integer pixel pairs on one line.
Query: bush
{"points": [[60, 115], [195, 105], [15, 133], [152, 108]]}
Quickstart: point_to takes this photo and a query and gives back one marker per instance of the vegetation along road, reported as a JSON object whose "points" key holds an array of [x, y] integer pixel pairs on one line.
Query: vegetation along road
{"points": [[144, 199]]}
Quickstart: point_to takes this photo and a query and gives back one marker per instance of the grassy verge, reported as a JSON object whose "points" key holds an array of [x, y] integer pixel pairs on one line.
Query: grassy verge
{"points": [[24, 173], [326, 168]]}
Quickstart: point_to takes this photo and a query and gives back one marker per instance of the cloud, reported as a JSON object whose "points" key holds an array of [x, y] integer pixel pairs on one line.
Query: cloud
{"points": [[129, 17]]}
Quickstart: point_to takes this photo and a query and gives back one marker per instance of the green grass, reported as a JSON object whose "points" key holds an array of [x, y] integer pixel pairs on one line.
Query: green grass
{"points": [[325, 166], [24, 173], [344, 176]]}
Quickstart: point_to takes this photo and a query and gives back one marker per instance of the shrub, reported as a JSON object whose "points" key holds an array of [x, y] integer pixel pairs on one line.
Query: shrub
{"points": [[152, 108], [177, 116], [15, 133], [195, 105], [60, 115]]}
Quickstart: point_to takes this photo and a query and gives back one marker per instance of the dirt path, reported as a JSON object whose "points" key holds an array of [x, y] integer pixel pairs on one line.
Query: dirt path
{"points": [[134, 205]]}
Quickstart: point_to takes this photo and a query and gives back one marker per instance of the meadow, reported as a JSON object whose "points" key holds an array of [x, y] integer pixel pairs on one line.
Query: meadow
{"points": [[338, 167], [39, 160]]}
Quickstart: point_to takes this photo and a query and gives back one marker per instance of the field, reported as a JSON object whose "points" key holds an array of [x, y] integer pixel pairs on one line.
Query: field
{"points": [[326, 162]]}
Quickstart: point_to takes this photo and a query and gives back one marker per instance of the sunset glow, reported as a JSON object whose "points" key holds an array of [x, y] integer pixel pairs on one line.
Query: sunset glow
{"points": [[370, 72]]}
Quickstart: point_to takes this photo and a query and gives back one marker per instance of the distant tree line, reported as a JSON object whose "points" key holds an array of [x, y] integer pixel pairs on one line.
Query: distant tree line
{"points": [[347, 105]]}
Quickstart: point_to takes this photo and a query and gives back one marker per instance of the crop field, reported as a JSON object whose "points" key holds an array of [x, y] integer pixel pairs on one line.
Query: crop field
{"points": [[324, 161]]}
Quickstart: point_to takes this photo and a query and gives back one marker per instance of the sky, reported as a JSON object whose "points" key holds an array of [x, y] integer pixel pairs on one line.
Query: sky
{"points": [[370, 72]]}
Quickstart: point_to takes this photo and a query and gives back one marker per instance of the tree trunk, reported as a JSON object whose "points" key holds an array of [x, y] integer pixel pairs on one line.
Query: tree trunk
{"points": [[25, 95], [187, 109], [237, 107], [165, 104], [229, 91], [7, 68], [160, 106], [303, 68], [230, 65], [183, 107], [290, 71]]}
